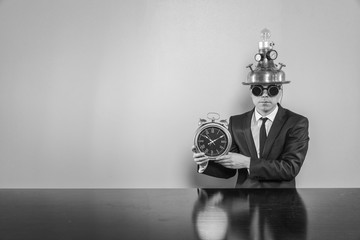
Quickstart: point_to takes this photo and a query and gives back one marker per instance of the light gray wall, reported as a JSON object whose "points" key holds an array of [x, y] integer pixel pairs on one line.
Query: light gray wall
{"points": [[109, 93]]}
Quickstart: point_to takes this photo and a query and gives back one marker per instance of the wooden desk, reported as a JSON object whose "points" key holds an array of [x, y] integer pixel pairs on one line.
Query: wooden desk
{"points": [[180, 214]]}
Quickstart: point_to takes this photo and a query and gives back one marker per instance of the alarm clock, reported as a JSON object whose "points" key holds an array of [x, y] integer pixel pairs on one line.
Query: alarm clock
{"points": [[213, 137]]}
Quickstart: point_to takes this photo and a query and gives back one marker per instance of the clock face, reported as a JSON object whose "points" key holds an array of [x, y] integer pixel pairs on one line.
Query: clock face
{"points": [[213, 141]]}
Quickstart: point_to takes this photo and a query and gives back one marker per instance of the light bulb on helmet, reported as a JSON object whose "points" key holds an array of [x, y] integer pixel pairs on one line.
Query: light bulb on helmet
{"points": [[265, 37]]}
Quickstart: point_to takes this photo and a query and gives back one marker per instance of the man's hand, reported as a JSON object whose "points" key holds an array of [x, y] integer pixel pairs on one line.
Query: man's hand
{"points": [[199, 157], [234, 161]]}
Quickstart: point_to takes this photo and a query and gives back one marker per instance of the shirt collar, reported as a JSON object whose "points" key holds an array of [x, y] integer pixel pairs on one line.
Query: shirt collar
{"points": [[270, 116]]}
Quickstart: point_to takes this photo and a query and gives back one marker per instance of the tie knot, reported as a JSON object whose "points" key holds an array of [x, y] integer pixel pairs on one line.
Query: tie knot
{"points": [[264, 119]]}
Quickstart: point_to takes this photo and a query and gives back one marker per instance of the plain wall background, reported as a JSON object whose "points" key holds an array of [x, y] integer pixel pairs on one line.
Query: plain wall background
{"points": [[109, 93]]}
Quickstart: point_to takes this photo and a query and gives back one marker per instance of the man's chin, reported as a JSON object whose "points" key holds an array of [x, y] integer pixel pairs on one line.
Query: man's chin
{"points": [[266, 107]]}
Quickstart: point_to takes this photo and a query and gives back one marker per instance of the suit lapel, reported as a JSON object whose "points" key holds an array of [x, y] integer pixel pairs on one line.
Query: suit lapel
{"points": [[248, 134], [278, 123]]}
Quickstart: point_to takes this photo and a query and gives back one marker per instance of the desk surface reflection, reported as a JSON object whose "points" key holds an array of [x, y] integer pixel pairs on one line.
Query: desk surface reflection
{"points": [[180, 214]]}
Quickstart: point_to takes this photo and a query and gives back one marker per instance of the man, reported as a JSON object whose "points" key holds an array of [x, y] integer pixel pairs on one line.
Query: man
{"points": [[269, 142]]}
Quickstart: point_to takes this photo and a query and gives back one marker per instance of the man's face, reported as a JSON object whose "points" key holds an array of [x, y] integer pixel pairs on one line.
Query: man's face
{"points": [[266, 100]]}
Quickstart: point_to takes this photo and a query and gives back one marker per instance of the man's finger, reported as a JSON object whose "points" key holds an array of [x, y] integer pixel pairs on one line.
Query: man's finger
{"points": [[193, 148], [223, 157], [197, 155], [201, 160]]}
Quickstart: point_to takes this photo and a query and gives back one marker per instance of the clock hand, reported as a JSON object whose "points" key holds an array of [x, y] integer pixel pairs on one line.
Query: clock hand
{"points": [[213, 141], [208, 138]]}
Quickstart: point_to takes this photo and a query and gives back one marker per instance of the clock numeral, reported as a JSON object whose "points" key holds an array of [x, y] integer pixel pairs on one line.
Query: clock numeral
{"points": [[223, 141], [206, 151], [222, 147], [212, 130], [202, 146], [201, 140]]}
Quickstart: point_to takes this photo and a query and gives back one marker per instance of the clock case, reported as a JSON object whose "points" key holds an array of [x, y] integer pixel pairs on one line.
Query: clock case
{"points": [[204, 124]]}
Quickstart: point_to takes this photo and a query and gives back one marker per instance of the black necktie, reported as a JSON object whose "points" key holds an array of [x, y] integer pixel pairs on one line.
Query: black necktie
{"points": [[262, 135]]}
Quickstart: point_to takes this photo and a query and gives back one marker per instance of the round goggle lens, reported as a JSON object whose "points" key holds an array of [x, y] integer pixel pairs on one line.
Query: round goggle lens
{"points": [[257, 91], [273, 91]]}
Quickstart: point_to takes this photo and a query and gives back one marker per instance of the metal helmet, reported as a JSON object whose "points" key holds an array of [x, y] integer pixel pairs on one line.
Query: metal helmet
{"points": [[266, 71]]}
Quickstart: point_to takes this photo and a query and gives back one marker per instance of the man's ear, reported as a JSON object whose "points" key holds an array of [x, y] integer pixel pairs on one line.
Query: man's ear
{"points": [[281, 95]]}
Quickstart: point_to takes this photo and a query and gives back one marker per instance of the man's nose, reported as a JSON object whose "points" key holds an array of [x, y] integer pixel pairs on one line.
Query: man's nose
{"points": [[265, 93]]}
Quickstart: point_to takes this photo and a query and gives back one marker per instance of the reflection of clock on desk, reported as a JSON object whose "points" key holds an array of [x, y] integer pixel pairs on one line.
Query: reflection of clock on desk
{"points": [[212, 137]]}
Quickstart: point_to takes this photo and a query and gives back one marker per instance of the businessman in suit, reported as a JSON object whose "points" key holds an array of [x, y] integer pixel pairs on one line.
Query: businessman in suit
{"points": [[269, 143]]}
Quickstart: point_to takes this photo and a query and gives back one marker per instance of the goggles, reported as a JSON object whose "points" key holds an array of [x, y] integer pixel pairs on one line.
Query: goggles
{"points": [[272, 90]]}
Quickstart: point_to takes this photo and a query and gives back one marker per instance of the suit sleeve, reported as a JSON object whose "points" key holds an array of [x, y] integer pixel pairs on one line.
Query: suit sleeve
{"points": [[288, 165], [234, 147]]}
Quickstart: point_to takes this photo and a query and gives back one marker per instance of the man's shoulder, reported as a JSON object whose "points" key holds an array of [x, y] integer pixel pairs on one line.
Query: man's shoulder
{"points": [[242, 115], [283, 112], [292, 113], [293, 116]]}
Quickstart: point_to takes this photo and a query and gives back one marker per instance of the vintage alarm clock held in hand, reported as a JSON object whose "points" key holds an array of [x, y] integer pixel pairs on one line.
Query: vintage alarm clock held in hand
{"points": [[213, 137]]}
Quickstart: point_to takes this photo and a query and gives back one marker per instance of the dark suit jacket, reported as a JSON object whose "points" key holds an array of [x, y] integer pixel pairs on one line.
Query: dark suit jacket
{"points": [[284, 151]]}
